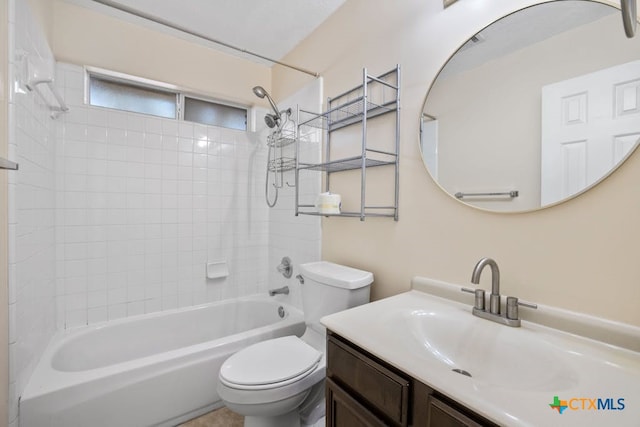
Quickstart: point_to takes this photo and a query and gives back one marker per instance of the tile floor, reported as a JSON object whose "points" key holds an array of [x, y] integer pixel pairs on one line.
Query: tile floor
{"points": [[222, 417]]}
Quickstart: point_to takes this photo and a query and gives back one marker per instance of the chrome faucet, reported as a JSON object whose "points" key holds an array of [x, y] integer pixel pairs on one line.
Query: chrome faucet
{"points": [[511, 317], [283, 290], [494, 298]]}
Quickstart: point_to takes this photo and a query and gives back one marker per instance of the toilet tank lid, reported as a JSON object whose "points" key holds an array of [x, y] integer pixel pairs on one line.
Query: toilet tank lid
{"points": [[336, 275]]}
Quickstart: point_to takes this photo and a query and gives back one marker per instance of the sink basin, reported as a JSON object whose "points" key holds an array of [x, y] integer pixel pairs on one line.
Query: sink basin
{"points": [[492, 355], [511, 376]]}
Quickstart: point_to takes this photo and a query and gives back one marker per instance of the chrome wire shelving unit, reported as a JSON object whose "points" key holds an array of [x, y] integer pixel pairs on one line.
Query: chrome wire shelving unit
{"points": [[376, 96], [349, 113]]}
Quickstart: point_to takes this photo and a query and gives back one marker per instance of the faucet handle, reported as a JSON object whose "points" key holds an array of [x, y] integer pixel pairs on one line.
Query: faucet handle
{"points": [[285, 267], [512, 307], [528, 304], [479, 293]]}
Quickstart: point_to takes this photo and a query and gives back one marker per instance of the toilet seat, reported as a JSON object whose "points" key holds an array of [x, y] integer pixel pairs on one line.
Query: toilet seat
{"points": [[270, 364]]}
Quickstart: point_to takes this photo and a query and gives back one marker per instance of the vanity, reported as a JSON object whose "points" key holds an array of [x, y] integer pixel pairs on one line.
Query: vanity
{"points": [[422, 358], [363, 390]]}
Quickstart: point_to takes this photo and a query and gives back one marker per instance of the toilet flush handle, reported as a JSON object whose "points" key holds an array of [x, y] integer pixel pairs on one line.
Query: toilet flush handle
{"points": [[300, 278]]}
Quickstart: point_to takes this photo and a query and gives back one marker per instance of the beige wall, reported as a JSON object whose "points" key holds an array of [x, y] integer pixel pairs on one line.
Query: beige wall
{"points": [[580, 255], [43, 12], [84, 37]]}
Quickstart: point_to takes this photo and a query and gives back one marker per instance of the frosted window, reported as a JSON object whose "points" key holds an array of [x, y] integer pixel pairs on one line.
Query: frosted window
{"points": [[214, 114], [138, 99]]}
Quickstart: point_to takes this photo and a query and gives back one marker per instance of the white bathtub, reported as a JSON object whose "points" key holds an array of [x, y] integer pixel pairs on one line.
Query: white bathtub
{"points": [[158, 369]]}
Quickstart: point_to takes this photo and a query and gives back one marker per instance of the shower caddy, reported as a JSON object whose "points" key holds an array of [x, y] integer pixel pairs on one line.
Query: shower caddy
{"points": [[376, 96], [280, 161]]}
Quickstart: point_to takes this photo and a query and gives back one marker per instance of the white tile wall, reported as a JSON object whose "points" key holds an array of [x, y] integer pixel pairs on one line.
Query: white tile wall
{"points": [[145, 202], [32, 198], [299, 237], [115, 214]]}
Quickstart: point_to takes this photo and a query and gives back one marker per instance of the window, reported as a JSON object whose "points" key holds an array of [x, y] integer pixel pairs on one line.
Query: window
{"points": [[214, 114], [121, 92], [138, 99]]}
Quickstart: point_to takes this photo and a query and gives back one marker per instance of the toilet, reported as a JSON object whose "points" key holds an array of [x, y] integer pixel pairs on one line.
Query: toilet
{"points": [[280, 382]]}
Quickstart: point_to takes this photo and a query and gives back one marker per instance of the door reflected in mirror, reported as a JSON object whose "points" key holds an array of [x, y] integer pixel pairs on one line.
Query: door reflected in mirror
{"points": [[534, 109]]}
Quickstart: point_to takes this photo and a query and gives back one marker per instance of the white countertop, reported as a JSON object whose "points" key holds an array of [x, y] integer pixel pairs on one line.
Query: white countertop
{"points": [[546, 362]]}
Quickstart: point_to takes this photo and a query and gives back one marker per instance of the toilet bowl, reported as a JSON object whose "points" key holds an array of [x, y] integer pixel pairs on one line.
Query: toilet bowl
{"points": [[272, 394], [280, 382]]}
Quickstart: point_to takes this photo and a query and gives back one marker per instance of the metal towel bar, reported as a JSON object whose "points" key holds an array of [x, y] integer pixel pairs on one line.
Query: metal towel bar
{"points": [[511, 194]]}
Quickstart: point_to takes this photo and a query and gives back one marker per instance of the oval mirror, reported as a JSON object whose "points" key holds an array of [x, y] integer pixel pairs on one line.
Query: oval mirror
{"points": [[534, 109]]}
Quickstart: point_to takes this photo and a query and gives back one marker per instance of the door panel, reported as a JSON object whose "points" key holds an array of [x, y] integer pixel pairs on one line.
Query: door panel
{"points": [[589, 123]]}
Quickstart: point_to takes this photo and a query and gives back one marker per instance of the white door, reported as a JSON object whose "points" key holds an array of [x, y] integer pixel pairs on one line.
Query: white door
{"points": [[589, 124]]}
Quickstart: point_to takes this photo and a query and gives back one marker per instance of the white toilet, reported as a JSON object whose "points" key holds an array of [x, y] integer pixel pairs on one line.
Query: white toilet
{"points": [[280, 382]]}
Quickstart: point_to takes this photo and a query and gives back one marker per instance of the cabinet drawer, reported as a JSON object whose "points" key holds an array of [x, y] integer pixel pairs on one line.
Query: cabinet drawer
{"points": [[380, 389], [441, 414], [345, 411]]}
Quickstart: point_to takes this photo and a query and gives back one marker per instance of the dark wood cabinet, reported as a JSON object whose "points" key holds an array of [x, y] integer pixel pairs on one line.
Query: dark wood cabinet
{"points": [[443, 415], [384, 390], [363, 390], [345, 410]]}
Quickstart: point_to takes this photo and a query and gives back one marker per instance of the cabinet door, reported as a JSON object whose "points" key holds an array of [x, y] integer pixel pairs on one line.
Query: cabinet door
{"points": [[376, 386], [344, 411], [442, 415]]}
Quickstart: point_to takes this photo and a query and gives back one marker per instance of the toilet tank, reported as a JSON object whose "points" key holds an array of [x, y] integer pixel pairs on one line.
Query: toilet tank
{"points": [[329, 288]]}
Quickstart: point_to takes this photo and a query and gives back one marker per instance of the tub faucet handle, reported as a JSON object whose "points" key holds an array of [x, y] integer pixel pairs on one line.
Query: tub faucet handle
{"points": [[285, 267]]}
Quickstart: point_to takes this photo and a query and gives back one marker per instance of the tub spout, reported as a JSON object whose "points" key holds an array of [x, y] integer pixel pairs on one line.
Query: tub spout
{"points": [[283, 290]]}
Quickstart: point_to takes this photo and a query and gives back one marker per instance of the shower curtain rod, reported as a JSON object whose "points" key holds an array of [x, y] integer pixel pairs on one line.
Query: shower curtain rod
{"points": [[161, 21]]}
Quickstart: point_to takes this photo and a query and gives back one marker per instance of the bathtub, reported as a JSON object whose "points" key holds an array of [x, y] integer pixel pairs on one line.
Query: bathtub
{"points": [[156, 369]]}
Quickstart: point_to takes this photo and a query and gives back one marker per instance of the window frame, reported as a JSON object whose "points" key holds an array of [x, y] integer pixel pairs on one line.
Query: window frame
{"points": [[179, 92]]}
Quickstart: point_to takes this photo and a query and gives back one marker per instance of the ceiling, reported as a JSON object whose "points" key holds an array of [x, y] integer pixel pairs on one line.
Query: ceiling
{"points": [[524, 28], [270, 28]]}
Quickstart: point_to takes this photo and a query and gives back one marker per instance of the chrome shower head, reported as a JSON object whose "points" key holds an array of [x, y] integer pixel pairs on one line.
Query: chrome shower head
{"points": [[261, 93], [271, 120]]}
